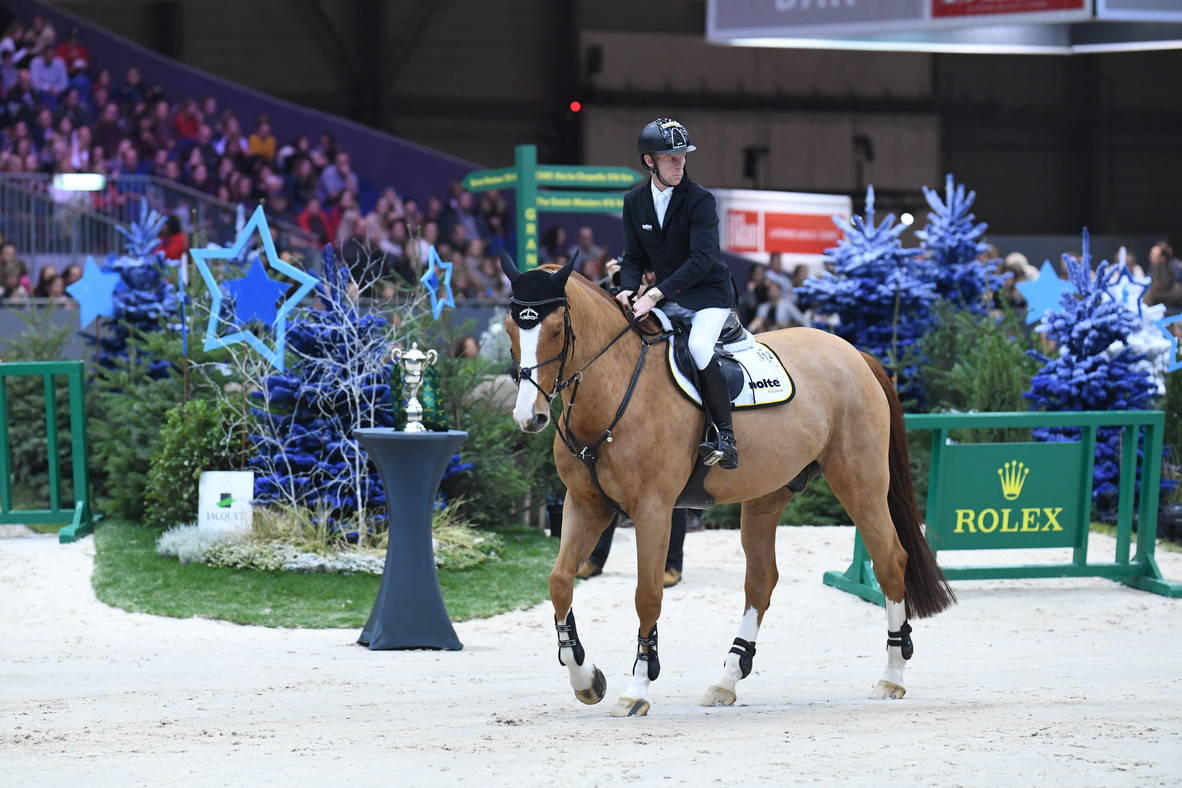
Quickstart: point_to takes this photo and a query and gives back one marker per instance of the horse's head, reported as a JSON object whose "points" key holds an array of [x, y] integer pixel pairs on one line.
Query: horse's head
{"points": [[539, 327]]}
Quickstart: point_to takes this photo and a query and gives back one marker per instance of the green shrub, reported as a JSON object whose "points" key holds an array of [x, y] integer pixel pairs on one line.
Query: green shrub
{"points": [[196, 438], [1172, 439], [128, 405], [511, 468], [979, 364]]}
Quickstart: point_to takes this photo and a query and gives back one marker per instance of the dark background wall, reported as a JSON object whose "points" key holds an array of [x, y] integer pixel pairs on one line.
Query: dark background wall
{"points": [[1050, 143]]}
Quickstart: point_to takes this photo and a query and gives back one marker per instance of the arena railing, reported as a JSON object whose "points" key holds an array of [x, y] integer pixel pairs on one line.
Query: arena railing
{"points": [[33, 218], [26, 200]]}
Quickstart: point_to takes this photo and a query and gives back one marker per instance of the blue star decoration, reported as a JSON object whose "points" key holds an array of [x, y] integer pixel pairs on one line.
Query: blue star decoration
{"points": [[1175, 363], [1128, 285], [94, 292], [1042, 295], [255, 303], [431, 278], [255, 295]]}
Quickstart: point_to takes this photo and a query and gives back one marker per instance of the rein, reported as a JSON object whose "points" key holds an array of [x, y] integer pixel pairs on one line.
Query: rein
{"points": [[588, 452]]}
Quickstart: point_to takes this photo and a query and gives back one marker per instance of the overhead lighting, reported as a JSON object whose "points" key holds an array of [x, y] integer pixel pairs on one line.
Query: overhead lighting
{"points": [[80, 181], [907, 219]]}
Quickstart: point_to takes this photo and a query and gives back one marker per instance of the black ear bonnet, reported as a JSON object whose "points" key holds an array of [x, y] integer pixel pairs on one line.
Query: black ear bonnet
{"points": [[536, 293]]}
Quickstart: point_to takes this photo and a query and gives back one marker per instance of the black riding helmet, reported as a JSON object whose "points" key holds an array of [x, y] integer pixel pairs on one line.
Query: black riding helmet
{"points": [[663, 135]]}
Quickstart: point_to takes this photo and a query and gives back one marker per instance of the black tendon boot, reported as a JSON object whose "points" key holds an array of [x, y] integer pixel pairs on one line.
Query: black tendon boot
{"points": [[717, 400]]}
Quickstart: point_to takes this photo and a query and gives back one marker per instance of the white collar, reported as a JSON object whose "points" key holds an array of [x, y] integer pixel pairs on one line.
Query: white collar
{"points": [[657, 193]]}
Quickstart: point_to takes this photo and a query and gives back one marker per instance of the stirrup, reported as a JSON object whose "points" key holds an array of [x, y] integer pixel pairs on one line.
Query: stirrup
{"points": [[727, 451], [711, 452]]}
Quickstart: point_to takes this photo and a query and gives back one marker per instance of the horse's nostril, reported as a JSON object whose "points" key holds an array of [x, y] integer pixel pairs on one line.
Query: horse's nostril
{"points": [[540, 419]]}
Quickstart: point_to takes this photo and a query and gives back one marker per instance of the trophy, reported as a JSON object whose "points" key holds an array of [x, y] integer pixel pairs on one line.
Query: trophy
{"points": [[412, 362]]}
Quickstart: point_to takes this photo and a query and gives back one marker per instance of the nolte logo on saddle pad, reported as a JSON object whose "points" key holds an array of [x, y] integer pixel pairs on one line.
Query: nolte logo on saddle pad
{"points": [[767, 383], [1031, 519]]}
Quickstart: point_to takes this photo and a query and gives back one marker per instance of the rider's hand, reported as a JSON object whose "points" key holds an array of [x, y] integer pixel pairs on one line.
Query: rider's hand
{"points": [[624, 297], [612, 267], [646, 302]]}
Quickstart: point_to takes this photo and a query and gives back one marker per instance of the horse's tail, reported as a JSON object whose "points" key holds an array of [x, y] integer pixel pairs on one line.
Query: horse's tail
{"points": [[927, 589]]}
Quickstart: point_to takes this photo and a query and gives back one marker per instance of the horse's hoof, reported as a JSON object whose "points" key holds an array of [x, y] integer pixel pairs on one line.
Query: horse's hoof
{"points": [[596, 691], [887, 689], [718, 696], [629, 707]]}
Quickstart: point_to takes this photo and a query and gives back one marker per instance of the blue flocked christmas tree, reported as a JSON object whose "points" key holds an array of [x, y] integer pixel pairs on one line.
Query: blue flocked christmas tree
{"points": [[340, 380], [305, 453], [145, 299], [952, 242], [881, 292], [1096, 369]]}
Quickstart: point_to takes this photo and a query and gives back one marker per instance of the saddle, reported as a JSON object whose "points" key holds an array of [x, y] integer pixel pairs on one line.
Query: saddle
{"points": [[755, 377]]}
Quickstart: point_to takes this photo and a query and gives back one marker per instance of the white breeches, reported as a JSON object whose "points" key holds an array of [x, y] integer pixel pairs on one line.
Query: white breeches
{"points": [[704, 333]]}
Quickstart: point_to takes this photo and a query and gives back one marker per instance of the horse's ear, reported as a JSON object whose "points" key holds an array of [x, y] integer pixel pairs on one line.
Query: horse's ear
{"points": [[509, 267], [563, 273]]}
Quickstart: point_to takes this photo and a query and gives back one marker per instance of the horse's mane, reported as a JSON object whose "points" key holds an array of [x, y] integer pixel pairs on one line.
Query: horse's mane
{"points": [[586, 284]]}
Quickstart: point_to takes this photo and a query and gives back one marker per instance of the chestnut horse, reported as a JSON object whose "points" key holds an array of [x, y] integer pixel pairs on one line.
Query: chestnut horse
{"points": [[845, 421]]}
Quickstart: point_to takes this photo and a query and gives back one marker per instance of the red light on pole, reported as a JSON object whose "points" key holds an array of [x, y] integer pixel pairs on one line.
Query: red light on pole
{"points": [[576, 106]]}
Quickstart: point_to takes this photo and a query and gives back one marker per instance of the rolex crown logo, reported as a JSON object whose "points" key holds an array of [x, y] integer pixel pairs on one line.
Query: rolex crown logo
{"points": [[1013, 475]]}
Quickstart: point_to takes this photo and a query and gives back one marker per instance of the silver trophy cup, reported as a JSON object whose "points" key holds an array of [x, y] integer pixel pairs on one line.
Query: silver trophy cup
{"points": [[413, 362]]}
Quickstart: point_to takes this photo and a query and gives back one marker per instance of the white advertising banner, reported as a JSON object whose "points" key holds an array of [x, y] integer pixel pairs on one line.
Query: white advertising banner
{"points": [[755, 223], [223, 501], [729, 19]]}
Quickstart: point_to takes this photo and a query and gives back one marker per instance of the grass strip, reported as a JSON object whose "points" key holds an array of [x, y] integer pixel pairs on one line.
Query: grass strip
{"points": [[129, 574]]}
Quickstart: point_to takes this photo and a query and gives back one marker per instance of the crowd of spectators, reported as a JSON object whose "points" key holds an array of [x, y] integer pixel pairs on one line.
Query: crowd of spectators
{"points": [[60, 113], [16, 284]]}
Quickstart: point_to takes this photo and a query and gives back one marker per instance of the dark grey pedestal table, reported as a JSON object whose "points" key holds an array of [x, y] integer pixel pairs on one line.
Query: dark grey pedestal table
{"points": [[409, 611]]}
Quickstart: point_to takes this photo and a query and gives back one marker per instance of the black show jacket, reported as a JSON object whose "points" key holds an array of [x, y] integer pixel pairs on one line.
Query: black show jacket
{"points": [[684, 254]]}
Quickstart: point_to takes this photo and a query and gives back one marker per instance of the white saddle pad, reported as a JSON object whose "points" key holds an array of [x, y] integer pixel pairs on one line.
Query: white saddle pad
{"points": [[765, 380]]}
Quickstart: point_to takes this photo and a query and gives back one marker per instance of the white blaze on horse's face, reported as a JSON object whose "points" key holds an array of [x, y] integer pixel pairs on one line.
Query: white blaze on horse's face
{"points": [[530, 412]]}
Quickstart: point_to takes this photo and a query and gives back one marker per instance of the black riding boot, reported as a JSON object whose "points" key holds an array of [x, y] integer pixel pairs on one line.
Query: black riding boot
{"points": [[717, 400]]}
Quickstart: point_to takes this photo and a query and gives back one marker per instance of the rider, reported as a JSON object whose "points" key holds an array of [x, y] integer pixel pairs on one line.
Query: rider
{"points": [[671, 228]]}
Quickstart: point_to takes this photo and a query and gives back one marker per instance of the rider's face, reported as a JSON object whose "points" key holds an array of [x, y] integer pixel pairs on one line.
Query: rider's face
{"points": [[670, 166]]}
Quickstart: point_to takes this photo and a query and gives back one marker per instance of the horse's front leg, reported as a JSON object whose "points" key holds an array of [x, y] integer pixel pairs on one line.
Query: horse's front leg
{"points": [[652, 547], [583, 520]]}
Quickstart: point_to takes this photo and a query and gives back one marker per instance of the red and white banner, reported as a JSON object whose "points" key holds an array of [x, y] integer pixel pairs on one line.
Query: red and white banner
{"points": [[951, 9], [799, 226]]}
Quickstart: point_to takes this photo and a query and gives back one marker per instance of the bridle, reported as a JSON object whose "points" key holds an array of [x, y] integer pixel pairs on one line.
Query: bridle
{"points": [[587, 452], [568, 346]]}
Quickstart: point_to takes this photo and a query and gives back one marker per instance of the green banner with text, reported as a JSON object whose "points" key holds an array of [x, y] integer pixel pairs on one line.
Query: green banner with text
{"points": [[580, 202], [996, 495]]}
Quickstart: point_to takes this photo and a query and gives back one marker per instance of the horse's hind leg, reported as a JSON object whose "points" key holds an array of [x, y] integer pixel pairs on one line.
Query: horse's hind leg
{"points": [[583, 521], [861, 486], [759, 545]]}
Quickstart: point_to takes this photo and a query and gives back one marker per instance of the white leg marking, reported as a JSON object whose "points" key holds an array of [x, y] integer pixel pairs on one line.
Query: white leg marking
{"points": [[891, 683], [527, 393], [722, 693], [896, 615], [638, 687], [580, 675]]}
